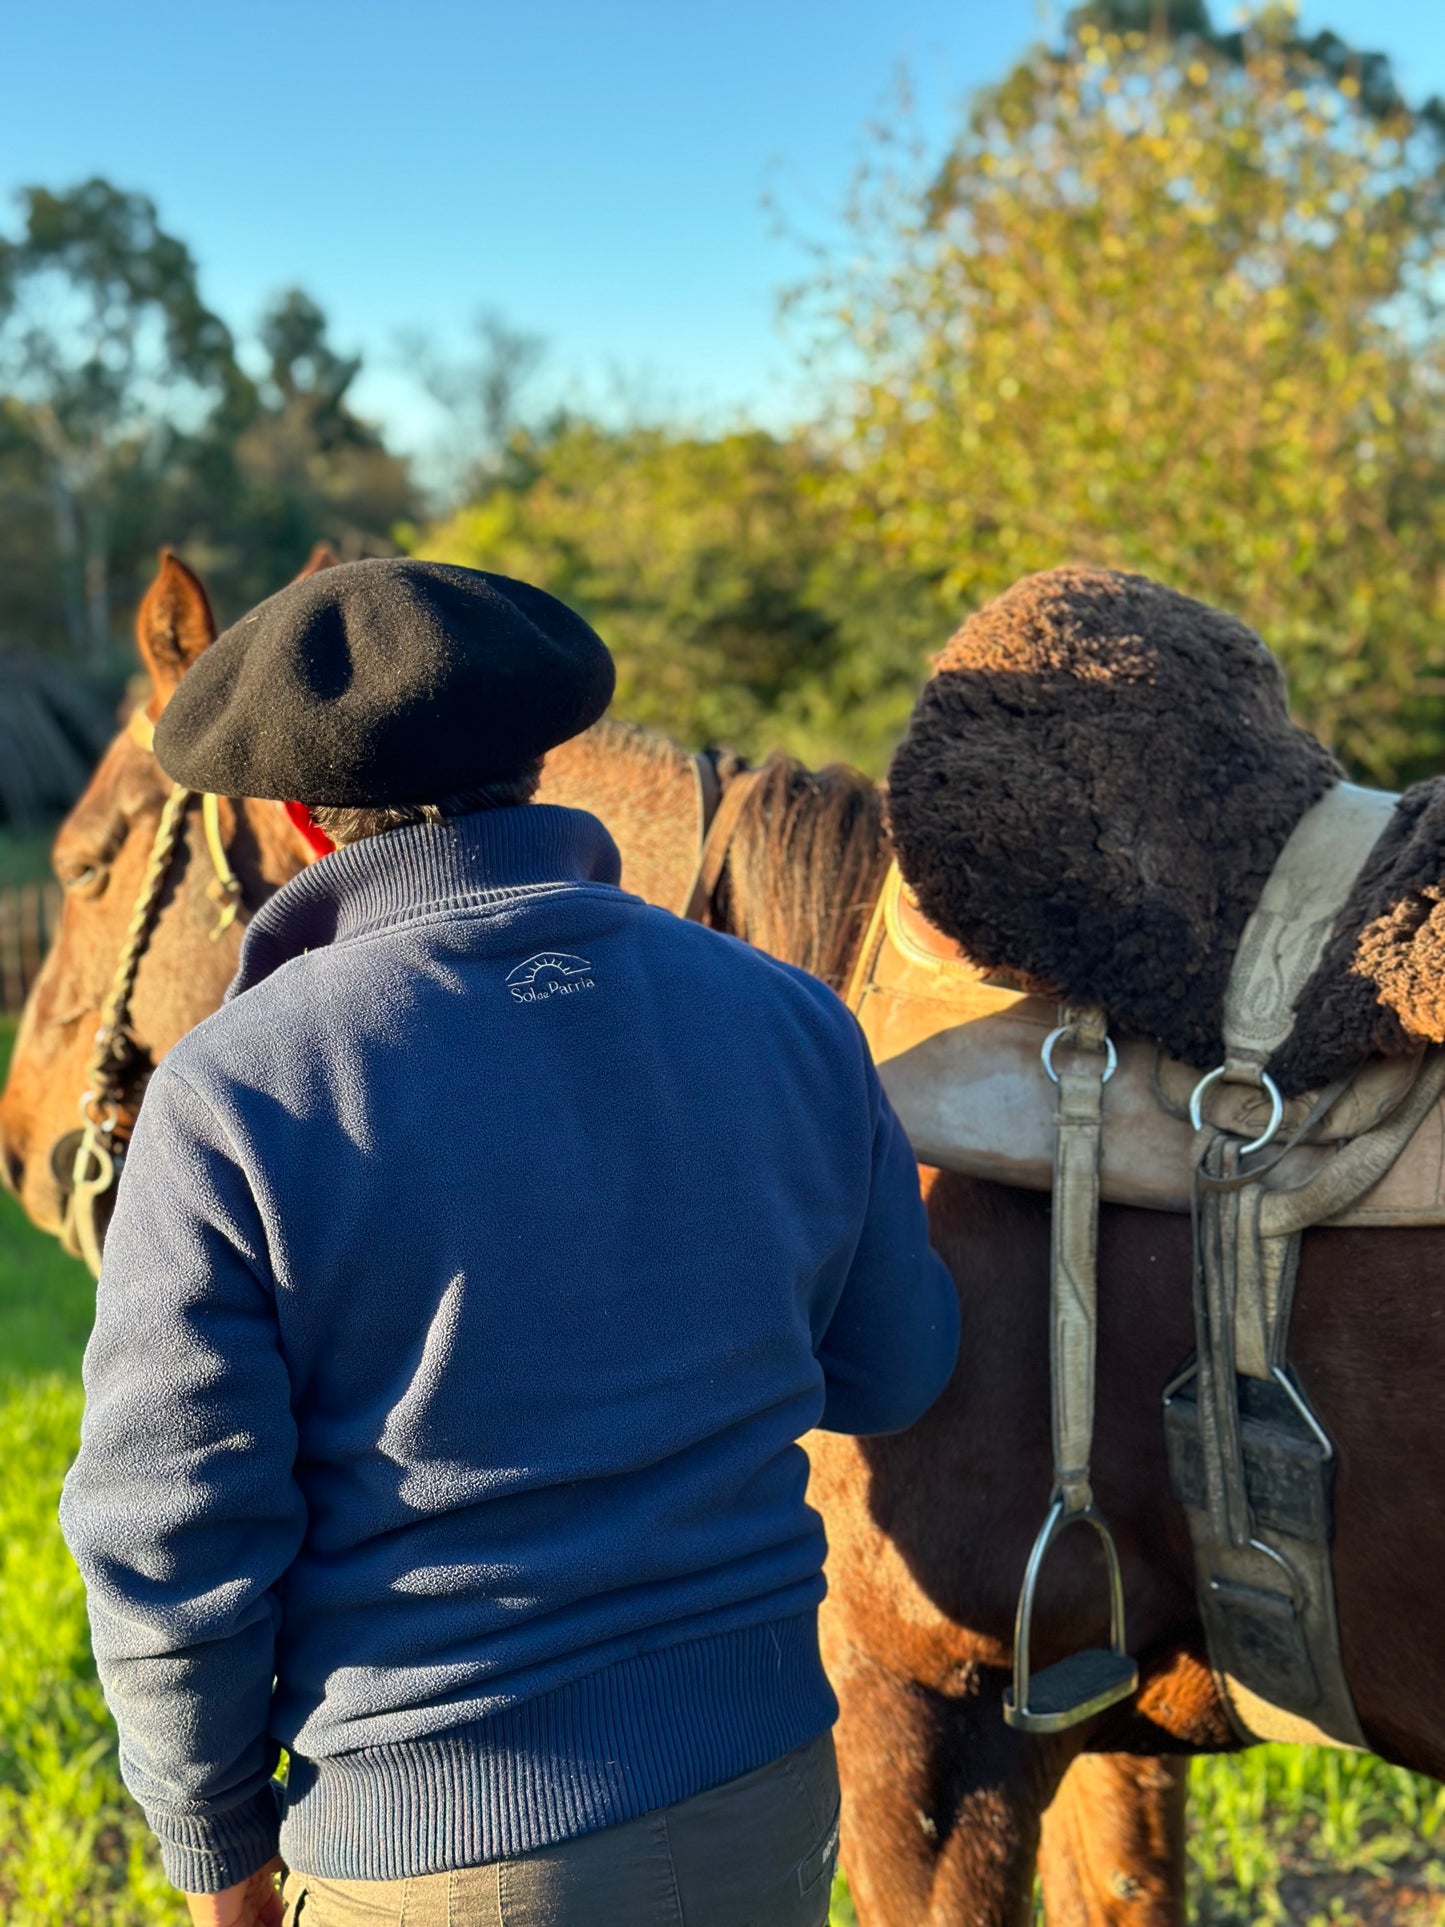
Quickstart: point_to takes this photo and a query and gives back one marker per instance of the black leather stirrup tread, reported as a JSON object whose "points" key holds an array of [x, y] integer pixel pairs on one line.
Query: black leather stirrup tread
{"points": [[1087, 1682], [1074, 1689]]}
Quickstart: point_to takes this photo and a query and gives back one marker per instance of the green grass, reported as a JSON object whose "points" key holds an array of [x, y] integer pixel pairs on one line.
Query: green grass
{"points": [[1308, 1834], [1278, 1834], [74, 1851]]}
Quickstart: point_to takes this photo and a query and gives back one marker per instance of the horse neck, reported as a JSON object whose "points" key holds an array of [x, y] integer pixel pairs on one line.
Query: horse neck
{"points": [[805, 866], [645, 790]]}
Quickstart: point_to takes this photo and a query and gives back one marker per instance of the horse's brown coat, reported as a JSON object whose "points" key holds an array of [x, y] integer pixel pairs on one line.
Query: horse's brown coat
{"points": [[929, 1532]]}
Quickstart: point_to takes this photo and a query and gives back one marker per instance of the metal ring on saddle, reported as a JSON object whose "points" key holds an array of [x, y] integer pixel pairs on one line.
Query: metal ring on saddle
{"points": [[1066, 1030], [1267, 1084]]}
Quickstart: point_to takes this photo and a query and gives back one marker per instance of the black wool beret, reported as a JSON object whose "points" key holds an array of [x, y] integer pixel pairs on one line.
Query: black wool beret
{"points": [[385, 681]]}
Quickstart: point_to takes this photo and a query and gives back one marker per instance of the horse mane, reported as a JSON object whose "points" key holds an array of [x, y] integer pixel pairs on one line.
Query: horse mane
{"points": [[805, 866], [632, 740], [806, 859]]}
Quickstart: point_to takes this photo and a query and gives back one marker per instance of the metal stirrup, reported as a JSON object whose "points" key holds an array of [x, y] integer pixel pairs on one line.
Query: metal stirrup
{"points": [[1087, 1682]]}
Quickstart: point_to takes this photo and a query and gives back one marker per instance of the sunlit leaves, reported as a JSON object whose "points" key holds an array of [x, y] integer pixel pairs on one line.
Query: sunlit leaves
{"points": [[1170, 304], [729, 589]]}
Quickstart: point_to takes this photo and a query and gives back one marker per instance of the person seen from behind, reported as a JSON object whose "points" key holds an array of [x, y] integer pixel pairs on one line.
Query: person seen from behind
{"points": [[475, 1271]]}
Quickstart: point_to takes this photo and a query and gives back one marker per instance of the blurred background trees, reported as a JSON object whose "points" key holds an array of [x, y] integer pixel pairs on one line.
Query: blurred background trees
{"points": [[1168, 301], [126, 420], [107, 359]]}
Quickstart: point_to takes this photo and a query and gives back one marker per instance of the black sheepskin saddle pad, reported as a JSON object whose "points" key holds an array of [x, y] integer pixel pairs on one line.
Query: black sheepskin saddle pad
{"points": [[1094, 788]]}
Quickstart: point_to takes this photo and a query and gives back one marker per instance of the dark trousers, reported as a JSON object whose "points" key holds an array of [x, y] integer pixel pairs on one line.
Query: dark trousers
{"points": [[756, 1852]]}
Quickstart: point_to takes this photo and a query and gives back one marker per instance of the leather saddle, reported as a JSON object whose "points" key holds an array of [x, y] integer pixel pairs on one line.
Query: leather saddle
{"points": [[959, 1053]]}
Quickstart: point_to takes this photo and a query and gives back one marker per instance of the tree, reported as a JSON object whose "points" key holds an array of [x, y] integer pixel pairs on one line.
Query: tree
{"points": [[1168, 302], [713, 572], [126, 421], [107, 357], [303, 466], [481, 396]]}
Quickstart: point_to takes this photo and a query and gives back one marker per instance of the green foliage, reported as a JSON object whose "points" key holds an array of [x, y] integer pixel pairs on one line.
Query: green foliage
{"points": [[1167, 305], [105, 348], [724, 584], [254, 495], [1168, 302]]}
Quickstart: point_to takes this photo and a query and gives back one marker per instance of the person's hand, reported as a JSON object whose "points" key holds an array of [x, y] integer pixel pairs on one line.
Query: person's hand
{"points": [[255, 1902]]}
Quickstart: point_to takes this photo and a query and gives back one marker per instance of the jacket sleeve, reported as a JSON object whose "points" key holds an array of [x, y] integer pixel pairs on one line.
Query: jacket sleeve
{"points": [[182, 1510], [890, 1345]]}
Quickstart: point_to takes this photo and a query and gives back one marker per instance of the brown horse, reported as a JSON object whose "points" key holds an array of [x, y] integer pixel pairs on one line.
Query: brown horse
{"points": [[948, 1809]]}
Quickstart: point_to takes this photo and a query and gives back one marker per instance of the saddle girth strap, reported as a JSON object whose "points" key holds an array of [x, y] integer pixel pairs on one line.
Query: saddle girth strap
{"points": [[718, 842], [709, 795], [1260, 1504]]}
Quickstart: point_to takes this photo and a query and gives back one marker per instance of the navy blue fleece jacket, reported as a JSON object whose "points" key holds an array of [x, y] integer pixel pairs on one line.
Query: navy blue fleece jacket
{"points": [[474, 1272]]}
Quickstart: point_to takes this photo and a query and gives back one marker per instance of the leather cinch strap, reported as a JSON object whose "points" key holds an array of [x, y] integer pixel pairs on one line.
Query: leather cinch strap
{"points": [[709, 795], [1258, 1575]]}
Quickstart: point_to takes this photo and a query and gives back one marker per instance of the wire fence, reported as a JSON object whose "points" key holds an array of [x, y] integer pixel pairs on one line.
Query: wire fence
{"points": [[29, 915]]}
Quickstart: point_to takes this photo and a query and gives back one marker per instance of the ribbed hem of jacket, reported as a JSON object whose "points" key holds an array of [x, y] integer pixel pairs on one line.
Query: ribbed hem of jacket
{"points": [[639, 1735], [202, 1853]]}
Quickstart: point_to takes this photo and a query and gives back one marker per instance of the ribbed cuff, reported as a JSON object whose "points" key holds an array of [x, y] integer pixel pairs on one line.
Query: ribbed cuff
{"points": [[202, 1853]]}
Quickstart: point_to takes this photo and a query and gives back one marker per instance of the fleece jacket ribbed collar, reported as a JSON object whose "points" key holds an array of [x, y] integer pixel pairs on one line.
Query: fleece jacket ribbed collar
{"points": [[466, 862]]}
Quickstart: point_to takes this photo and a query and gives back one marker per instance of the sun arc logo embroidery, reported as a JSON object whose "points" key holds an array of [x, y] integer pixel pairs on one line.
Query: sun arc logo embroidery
{"points": [[550, 973]]}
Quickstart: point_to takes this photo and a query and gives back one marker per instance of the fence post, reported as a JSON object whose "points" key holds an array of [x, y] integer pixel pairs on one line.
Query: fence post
{"points": [[29, 915]]}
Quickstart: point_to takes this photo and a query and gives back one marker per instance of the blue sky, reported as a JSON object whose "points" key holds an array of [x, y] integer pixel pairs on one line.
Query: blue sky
{"points": [[594, 169]]}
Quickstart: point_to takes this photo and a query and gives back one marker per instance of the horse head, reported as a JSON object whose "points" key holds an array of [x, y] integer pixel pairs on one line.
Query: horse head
{"points": [[100, 857]]}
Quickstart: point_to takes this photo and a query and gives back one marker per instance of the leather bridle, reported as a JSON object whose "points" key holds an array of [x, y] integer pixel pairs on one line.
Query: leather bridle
{"points": [[109, 1104], [719, 812]]}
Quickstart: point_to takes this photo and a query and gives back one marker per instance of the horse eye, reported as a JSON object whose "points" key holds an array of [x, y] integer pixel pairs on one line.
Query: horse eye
{"points": [[88, 882]]}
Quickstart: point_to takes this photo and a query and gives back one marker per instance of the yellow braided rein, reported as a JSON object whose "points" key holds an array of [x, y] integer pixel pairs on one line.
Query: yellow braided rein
{"points": [[100, 1151]]}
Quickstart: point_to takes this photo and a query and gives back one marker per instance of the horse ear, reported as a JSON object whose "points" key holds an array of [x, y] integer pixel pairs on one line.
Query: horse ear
{"points": [[323, 556], [173, 625]]}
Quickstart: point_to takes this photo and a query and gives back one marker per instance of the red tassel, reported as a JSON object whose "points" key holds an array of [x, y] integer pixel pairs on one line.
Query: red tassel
{"points": [[311, 830]]}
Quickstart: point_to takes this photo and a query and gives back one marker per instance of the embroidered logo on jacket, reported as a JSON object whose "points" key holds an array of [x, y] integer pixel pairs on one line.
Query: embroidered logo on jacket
{"points": [[551, 973]]}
